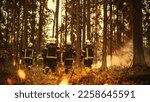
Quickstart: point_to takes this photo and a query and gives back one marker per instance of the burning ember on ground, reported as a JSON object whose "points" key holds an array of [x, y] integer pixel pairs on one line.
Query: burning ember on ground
{"points": [[21, 73], [9, 81], [65, 81]]}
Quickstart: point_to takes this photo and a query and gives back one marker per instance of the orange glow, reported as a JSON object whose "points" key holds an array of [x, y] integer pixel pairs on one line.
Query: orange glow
{"points": [[106, 84], [64, 81], [9, 81], [21, 73]]}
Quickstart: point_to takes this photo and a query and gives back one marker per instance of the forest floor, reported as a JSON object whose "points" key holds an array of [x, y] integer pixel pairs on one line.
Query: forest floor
{"points": [[76, 76]]}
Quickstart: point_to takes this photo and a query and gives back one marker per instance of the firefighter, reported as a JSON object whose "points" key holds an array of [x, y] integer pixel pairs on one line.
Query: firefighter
{"points": [[50, 55], [68, 56], [88, 54], [29, 55]]}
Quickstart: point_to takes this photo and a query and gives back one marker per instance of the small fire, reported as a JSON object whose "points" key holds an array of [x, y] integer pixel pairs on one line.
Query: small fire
{"points": [[64, 81], [21, 73]]}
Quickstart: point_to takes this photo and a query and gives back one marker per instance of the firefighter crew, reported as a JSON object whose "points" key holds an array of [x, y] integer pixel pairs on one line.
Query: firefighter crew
{"points": [[50, 55], [88, 54], [29, 55], [68, 56]]}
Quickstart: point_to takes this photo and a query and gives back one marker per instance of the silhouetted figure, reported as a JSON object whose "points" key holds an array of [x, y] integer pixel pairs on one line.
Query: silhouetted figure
{"points": [[29, 55], [68, 56], [50, 56], [88, 54]]}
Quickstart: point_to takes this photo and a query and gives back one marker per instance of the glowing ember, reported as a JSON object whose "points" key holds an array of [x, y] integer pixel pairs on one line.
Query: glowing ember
{"points": [[9, 81], [106, 84], [21, 73], [64, 81]]}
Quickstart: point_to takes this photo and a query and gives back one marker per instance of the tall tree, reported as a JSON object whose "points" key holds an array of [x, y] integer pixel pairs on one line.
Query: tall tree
{"points": [[138, 57], [84, 20], [96, 32], [78, 45], [25, 18], [111, 30], [72, 21], [104, 53], [56, 19], [41, 14], [88, 21], [66, 21]]}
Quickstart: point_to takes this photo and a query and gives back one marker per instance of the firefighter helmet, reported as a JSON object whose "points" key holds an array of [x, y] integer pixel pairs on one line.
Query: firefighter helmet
{"points": [[53, 40], [88, 42]]}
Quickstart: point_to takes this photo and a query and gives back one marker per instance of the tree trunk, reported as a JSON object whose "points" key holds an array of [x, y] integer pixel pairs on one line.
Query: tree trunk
{"points": [[138, 57], [40, 25], [72, 20], [118, 27], [88, 21], [78, 46], [66, 22], [104, 53], [56, 18], [96, 43], [25, 38], [84, 20], [14, 30], [111, 31], [18, 32], [33, 23]]}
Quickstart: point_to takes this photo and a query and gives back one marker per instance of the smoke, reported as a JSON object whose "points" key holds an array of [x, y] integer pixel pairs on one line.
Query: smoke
{"points": [[121, 58]]}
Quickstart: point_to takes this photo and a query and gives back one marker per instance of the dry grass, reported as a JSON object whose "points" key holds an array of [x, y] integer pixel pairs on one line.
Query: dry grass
{"points": [[76, 76]]}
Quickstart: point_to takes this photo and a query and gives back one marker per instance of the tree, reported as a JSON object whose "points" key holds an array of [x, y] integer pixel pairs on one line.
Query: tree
{"points": [[56, 19], [72, 21], [66, 21], [104, 53], [111, 30], [78, 45], [84, 20], [138, 57], [88, 21], [25, 17]]}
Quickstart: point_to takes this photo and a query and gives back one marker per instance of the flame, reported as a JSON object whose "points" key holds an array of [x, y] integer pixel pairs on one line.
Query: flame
{"points": [[64, 81], [21, 73]]}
